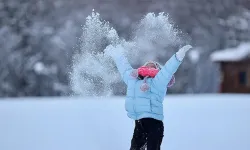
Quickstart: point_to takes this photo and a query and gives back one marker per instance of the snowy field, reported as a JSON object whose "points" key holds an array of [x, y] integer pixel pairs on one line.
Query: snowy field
{"points": [[192, 122]]}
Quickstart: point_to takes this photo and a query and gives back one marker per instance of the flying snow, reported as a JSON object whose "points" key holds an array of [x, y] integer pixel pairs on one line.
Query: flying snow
{"points": [[94, 74]]}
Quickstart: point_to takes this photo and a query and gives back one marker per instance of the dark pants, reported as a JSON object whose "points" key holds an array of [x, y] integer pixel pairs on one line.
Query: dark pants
{"points": [[148, 133]]}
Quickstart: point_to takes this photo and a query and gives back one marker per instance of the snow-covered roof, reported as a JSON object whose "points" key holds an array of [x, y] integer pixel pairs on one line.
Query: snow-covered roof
{"points": [[238, 53]]}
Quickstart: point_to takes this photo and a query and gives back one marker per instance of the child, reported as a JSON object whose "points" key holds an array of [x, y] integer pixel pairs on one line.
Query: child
{"points": [[146, 89]]}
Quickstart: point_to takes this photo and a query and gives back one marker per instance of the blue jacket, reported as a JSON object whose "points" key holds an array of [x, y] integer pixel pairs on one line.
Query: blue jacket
{"points": [[145, 104]]}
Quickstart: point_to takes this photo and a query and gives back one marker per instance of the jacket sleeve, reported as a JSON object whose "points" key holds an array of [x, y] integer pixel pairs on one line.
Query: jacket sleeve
{"points": [[163, 77], [123, 66]]}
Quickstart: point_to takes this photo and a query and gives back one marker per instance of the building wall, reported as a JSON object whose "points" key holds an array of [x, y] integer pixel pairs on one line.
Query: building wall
{"points": [[235, 77]]}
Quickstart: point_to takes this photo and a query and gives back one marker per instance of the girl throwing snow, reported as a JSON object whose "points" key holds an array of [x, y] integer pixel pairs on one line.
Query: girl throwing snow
{"points": [[146, 89]]}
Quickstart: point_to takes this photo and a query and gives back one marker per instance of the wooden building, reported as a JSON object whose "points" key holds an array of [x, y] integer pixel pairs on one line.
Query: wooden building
{"points": [[234, 68]]}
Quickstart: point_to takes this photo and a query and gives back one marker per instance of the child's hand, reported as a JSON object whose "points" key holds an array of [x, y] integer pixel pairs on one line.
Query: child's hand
{"points": [[113, 50], [113, 36], [182, 52], [109, 50]]}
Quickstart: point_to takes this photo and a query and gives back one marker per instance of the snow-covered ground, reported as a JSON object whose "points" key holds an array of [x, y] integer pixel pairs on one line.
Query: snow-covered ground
{"points": [[192, 122]]}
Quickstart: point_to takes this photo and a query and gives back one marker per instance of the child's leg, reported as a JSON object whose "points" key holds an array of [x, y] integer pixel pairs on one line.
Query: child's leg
{"points": [[154, 140], [155, 130], [139, 137]]}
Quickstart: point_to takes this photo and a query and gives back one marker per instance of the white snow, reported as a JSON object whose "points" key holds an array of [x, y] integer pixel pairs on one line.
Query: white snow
{"points": [[192, 122], [194, 55], [150, 38], [237, 22], [232, 54], [39, 67]]}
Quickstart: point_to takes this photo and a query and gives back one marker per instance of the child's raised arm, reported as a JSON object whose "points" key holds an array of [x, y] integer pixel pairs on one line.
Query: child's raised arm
{"points": [[164, 76], [120, 60]]}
